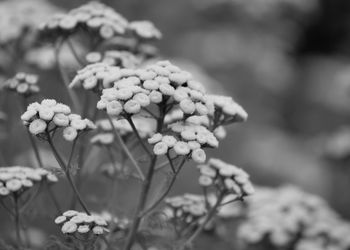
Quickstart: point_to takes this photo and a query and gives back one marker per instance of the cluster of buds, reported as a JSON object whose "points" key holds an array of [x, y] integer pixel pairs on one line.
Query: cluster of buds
{"points": [[81, 224], [225, 177], [96, 77], [116, 224], [157, 83], [185, 140], [144, 30], [94, 17], [16, 179], [188, 209], [227, 111], [23, 84], [122, 59], [288, 217], [42, 118]]}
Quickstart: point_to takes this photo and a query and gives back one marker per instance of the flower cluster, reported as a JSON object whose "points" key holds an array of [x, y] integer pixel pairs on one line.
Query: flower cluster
{"points": [[95, 17], [288, 216], [79, 223], [116, 224], [23, 84], [123, 59], [19, 19], [16, 179], [41, 118], [184, 139], [145, 30], [225, 177], [96, 76], [157, 83], [188, 209], [226, 110]]}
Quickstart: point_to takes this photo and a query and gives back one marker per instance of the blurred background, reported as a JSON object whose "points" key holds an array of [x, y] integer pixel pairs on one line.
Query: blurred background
{"points": [[287, 62]]}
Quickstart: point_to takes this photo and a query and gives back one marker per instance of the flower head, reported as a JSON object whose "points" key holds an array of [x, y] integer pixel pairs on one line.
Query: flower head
{"points": [[23, 84]]}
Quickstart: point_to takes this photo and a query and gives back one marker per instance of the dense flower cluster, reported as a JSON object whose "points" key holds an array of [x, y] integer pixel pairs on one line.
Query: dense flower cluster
{"points": [[123, 59], [23, 84], [41, 118], [94, 17], [156, 83], [184, 139], [19, 19], [79, 223], [96, 77], [189, 209], [16, 179], [226, 110], [225, 177], [290, 217]]}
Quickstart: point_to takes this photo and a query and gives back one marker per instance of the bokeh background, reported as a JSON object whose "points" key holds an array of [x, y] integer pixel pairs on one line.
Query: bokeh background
{"points": [[287, 62]]}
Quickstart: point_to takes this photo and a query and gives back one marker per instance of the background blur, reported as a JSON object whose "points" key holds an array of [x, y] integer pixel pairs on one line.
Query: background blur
{"points": [[287, 62]]}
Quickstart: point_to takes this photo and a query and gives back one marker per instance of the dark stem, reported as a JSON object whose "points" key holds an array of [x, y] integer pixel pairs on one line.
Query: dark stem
{"points": [[138, 135], [17, 222]]}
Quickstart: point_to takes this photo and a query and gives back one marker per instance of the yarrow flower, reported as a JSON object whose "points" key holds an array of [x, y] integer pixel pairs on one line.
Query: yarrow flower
{"points": [[23, 84], [93, 17], [157, 83], [188, 209], [16, 179], [48, 115], [78, 223], [225, 177], [288, 216]]}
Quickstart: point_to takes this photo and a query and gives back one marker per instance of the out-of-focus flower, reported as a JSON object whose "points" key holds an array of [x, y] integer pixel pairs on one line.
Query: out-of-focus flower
{"points": [[23, 84], [225, 177], [338, 145], [16, 179], [74, 222], [288, 216], [40, 117], [145, 30], [123, 59], [94, 17]]}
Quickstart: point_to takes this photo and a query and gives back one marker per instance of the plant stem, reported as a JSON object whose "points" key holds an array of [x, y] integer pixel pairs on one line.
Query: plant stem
{"points": [[74, 52], [209, 216], [66, 168], [125, 149], [142, 202], [17, 221], [138, 135], [166, 192]]}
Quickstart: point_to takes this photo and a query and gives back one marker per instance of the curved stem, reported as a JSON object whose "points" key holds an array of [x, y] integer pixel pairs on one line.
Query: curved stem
{"points": [[74, 52], [142, 202], [138, 135], [17, 222], [166, 192], [125, 149], [66, 168], [209, 216]]}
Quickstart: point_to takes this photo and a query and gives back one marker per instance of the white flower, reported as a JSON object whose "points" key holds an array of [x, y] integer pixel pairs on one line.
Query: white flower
{"points": [[187, 106], [155, 138], [37, 126], [4, 191], [61, 120], [169, 140], [205, 180], [132, 107], [181, 148], [98, 230], [193, 145], [46, 113], [167, 89], [14, 185], [188, 135], [69, 227], [151, 84], [180, 78], [29, 114], [62, 108], [124, 94], [142, 99], [160, 148], [155, 96], [49, 102], [60, 219], [114, 108], [90, 82], [198, 155], [201, 109], [70, 213], [70, 133], [83, 229], [180, 94], [78, 124]]}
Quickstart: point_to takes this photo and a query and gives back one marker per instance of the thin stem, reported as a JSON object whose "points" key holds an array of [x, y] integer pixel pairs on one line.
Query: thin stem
{"points": [[166, 192], [138, 135], [6, 208], [71, 93], [74, 52], [209, 216], [125, 149], [17, 221], [66, 168], [142, 202]]}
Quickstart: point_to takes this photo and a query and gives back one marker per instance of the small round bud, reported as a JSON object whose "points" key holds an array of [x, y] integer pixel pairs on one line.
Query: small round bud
{"points": [[37, 126]]}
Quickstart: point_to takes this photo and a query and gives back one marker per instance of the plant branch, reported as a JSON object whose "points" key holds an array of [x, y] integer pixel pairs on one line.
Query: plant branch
{"points": [[138, 135]]}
